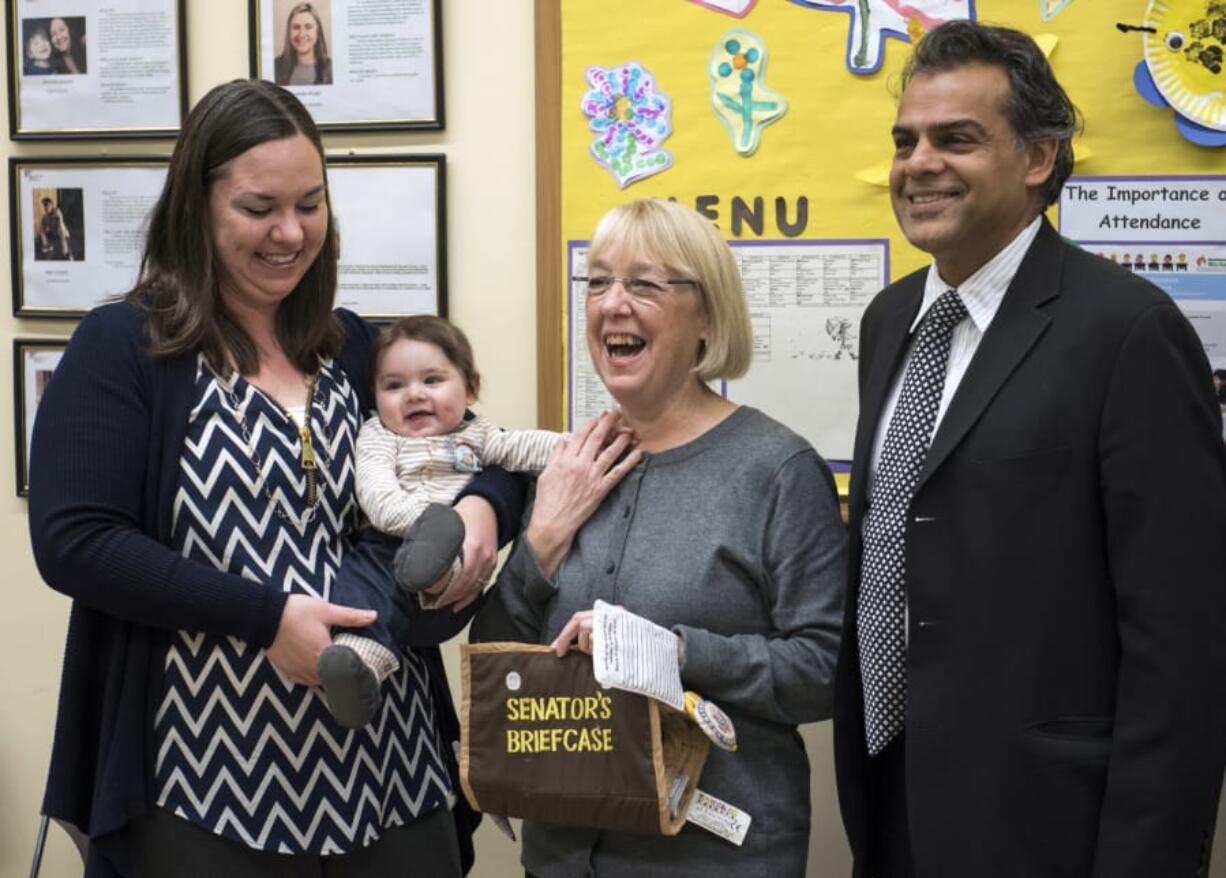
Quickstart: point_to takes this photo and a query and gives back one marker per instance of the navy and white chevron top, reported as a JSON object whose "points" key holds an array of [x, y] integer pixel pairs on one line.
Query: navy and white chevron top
{"points": [[239, 750]]}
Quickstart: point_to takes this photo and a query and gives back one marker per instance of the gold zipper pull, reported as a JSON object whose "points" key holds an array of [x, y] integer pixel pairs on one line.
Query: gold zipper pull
{"points": [[308, 450]]}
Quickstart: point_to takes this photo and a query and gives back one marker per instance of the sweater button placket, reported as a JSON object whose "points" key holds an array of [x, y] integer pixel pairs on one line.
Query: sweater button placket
{"points": [[628, 499]]}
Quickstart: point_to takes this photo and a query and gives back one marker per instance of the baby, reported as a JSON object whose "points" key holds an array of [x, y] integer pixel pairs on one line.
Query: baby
{"points": [[412, 462]]}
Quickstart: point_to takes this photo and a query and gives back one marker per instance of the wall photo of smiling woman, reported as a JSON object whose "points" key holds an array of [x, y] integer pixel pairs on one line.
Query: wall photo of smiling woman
{"points": [[302, 48]]}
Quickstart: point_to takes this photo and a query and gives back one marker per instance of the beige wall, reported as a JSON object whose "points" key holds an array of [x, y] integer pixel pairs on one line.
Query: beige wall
{"points": [[489, 94]]}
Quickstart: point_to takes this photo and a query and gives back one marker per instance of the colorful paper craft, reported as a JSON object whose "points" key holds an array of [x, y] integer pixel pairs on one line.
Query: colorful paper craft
{"points": [[735, 8], [631, 119], [1184, 44], [1049, 9], [874, 20], [1047, 43], [739, 95]]}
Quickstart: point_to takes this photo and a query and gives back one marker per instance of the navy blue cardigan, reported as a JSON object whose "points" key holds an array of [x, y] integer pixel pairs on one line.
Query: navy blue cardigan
{"points": [[103, 471]]}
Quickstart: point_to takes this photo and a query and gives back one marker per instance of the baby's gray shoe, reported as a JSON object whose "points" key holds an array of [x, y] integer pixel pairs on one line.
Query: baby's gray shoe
{"points": [[430, 546], [352, 689]]}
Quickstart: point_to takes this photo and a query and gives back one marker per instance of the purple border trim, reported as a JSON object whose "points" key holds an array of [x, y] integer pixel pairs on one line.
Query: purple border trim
{"points": [[570, 332], [1163, 241]]}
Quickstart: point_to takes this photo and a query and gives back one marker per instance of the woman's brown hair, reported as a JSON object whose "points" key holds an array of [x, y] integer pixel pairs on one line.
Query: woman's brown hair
{"points": [[178, 286]]}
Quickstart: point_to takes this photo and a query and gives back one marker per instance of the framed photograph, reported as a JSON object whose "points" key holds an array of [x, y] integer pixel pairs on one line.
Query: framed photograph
{"points": [[357, 65], [85, 69], [78, 229], [391, 214], [34, 362]]}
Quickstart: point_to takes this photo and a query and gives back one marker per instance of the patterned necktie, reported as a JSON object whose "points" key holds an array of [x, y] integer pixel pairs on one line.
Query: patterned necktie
{"points": [[881, 615]]}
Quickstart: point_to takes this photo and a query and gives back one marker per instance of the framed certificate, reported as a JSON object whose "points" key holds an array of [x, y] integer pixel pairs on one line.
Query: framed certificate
{"points": [[84, 69], [358, 65], [391, 214], [34, 361], [78, 229]]}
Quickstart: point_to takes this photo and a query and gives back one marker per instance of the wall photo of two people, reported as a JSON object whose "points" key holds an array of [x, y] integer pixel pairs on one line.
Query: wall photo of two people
{"points": [[53, 46]]}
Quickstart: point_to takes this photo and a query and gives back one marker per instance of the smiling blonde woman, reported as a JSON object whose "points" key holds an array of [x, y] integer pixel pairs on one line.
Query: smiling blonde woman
{"points": [[721, 525]]}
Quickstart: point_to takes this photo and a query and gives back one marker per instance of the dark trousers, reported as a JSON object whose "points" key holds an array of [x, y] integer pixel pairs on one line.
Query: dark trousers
{"points": [[162, 844], [366, 580], [889, 839]]}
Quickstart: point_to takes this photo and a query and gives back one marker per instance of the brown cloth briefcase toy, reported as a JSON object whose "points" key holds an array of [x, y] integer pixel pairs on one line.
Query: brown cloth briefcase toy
{"points": [[542, 740]]}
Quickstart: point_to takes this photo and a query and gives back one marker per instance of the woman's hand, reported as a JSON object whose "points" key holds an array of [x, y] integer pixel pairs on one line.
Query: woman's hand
{"points": [[305, 630], [480, 553], [582, 471], [577, 631]]}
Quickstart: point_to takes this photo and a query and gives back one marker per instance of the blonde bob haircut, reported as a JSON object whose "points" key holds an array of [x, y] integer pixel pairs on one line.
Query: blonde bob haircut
{"points": [[686, 244]]}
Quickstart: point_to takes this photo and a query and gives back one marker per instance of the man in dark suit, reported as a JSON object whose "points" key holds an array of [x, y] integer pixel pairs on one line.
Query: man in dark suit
{"points": [[1033, 673]]}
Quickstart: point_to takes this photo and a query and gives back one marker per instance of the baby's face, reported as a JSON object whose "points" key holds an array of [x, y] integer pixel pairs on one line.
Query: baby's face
{"points": [[418, 391], [39, 48]]}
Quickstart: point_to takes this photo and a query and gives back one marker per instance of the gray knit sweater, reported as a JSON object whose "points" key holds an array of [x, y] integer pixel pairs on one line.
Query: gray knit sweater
{"points": [[734, 541]]}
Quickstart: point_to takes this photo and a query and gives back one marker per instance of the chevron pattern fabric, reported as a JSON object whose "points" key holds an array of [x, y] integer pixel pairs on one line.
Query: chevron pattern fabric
{"points": [[239, 750]]}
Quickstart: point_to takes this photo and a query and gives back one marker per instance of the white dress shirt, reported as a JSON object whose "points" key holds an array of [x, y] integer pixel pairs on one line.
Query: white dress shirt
{"points": [[982, 294]]}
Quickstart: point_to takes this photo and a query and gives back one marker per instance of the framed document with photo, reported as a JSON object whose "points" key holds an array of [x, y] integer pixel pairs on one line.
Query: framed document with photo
{"points": [[359, 65], [84, 69], [78, 229], [34, 361], [391, 214]]}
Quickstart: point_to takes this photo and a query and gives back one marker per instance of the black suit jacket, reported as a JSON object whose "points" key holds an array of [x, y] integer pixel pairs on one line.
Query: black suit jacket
{"points": [[1066, 579]]}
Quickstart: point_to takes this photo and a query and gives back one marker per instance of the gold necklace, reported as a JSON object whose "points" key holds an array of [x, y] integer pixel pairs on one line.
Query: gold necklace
{"points": [[307, 460]]}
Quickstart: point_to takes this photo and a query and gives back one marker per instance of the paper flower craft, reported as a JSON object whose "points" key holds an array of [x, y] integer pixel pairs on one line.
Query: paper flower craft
{"points": [[1184, 43], [631, 119], [735, 8], [739, 96], [1049, 9], [874, 20]]}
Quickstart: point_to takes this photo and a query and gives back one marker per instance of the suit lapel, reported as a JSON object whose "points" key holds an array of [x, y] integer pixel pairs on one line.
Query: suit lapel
{"points": [[886, 354], [1014, 330]]}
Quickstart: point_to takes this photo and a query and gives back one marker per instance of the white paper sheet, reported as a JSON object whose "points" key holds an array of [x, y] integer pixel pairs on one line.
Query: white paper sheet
{"points": [[635, 654]]}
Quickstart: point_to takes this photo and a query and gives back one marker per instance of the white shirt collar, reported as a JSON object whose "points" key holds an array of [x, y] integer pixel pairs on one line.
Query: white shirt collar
{"points": [[984, 290]]}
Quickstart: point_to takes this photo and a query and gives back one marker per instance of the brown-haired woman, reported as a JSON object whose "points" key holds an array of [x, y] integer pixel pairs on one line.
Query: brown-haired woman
{"points": [[193, 493]]}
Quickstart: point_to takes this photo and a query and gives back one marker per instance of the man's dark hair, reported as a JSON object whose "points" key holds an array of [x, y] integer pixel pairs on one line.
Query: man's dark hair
{"points": [[1037, 107]]}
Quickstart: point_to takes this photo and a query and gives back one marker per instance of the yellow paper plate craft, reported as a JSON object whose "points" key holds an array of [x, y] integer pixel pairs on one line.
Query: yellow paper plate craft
{"points": [[1184, 66]]}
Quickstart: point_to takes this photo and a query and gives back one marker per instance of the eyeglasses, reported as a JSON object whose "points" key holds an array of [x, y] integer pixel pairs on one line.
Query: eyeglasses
{"points": [[642, 288]]}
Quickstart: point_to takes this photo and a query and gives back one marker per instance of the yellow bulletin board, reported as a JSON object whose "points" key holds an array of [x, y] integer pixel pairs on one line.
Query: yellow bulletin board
{"points": [[833, 139]]}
